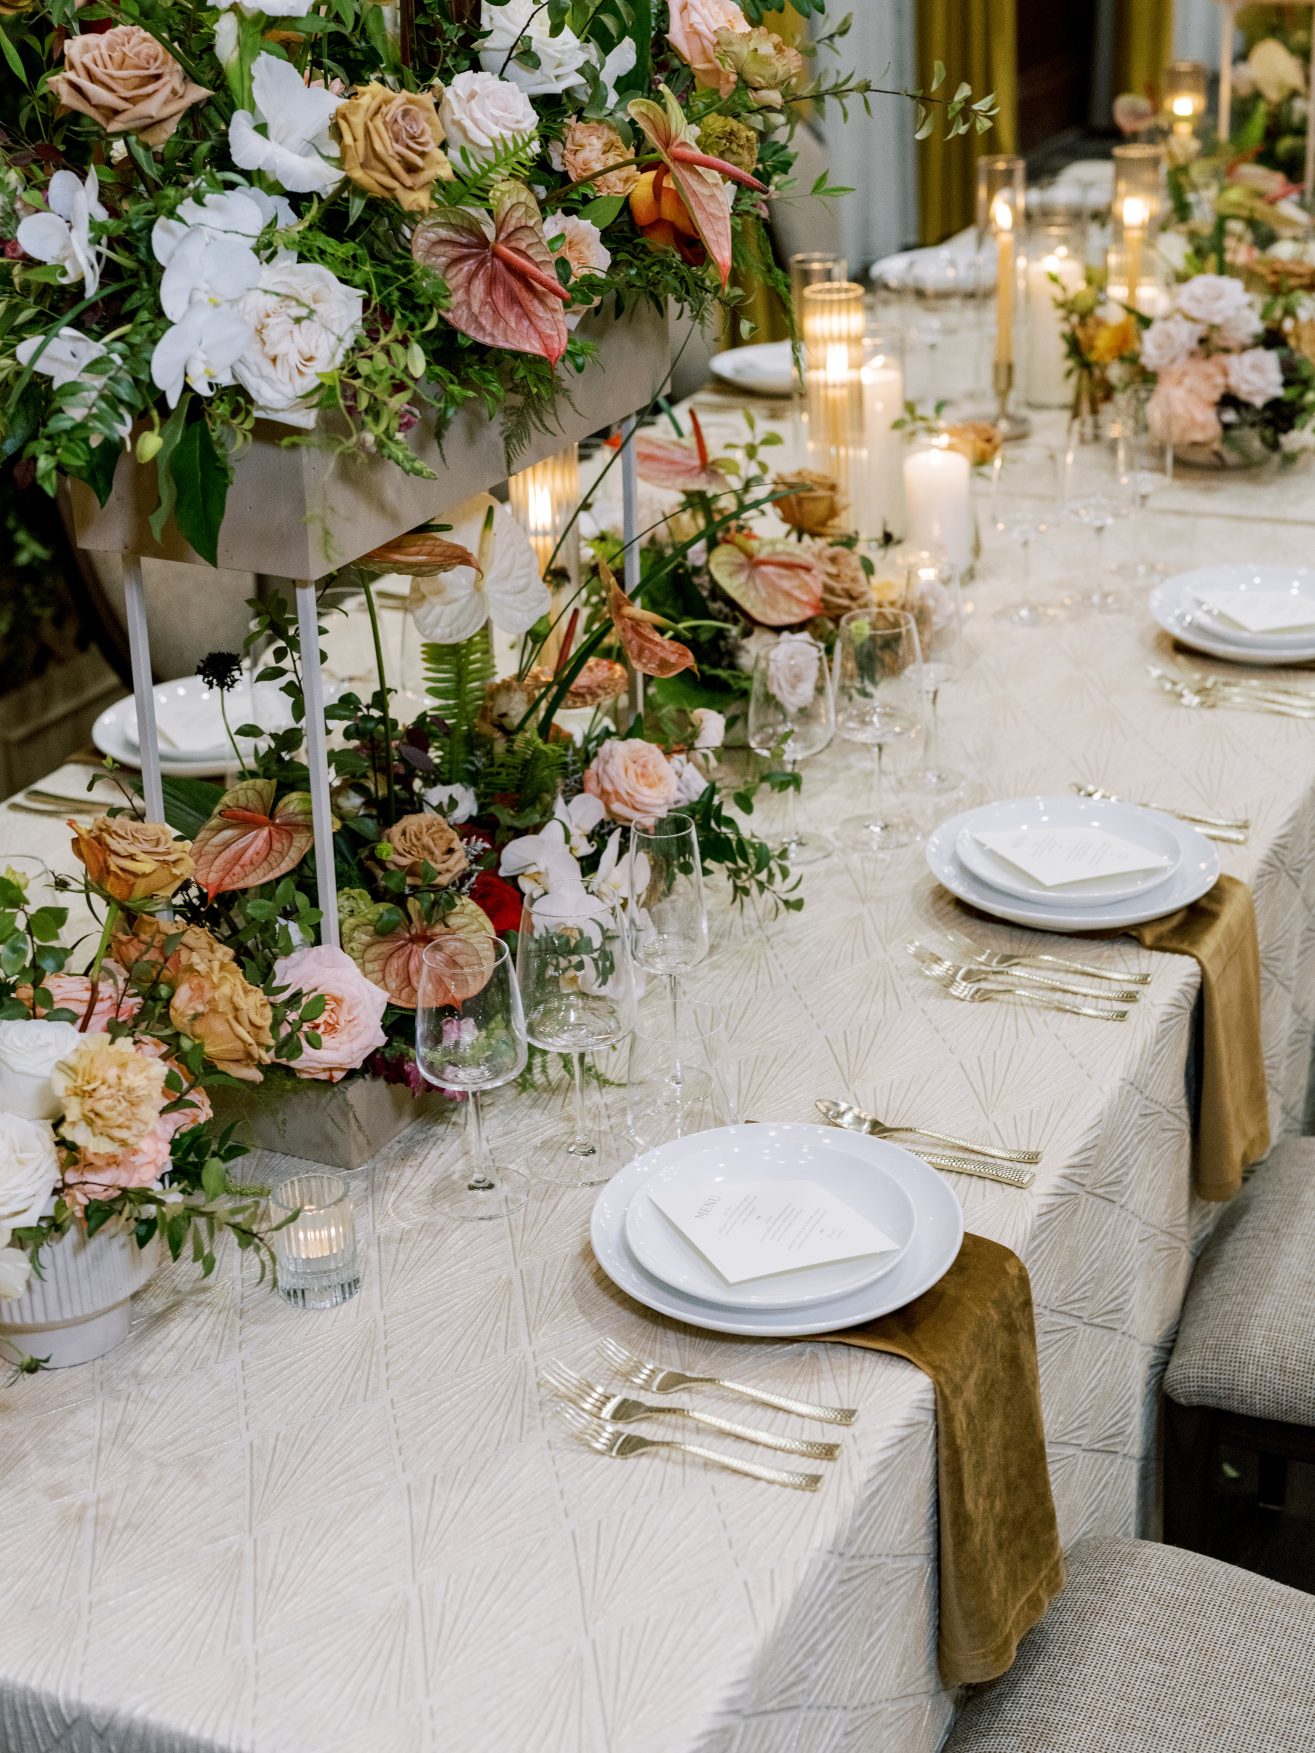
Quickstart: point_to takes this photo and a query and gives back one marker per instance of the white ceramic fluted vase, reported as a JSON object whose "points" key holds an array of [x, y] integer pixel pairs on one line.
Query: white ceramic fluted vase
{"points": [[81, 1306]]}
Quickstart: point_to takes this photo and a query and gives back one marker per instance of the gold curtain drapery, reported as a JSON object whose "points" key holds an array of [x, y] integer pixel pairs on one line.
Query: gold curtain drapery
{"points": [[978, 41], [1143, 44]]}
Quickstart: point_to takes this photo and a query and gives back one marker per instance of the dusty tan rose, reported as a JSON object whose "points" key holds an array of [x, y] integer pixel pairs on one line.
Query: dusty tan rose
{"points": [[132, 860], [845, 585], [216, 1005], [978, 440], [633, 780], [426, 839], [11, 8], [392, 145], [110, 1094], [588, 148], [143, 942], [811, 502], [126, 81]]}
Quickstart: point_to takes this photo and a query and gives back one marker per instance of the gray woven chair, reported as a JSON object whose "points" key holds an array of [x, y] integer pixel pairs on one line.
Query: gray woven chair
{"points": [[1154, 1650], [1243, 1367]]}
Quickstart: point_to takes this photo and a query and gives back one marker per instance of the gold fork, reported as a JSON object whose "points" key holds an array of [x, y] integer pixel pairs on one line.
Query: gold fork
{"points": [[623, 1444]]}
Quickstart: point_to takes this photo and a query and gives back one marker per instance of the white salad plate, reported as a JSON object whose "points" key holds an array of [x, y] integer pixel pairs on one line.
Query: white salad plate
{"points": [[1198, 863], [765, 369], [707, 1160], [189, 726], [1001, 874], [1180, 606], [932, 1249]]}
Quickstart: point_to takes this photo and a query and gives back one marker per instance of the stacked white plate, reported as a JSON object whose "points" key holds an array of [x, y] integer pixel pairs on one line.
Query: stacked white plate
{"points": [[190, 726], [764, 369], [1162, 864], [649, 1258], [1240, 612]]}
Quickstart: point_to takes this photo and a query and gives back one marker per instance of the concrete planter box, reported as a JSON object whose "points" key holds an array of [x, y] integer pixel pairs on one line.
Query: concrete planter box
{"points": [[341, 1125], [298, 511]]}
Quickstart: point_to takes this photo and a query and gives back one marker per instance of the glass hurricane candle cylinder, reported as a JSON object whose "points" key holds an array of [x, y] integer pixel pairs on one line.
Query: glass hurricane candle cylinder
{"points": [[1186, 91], [1054, 270], [1134, 225], [878, 501], [938, 501], [1001, 206], [833, 380], [315, 1241]]}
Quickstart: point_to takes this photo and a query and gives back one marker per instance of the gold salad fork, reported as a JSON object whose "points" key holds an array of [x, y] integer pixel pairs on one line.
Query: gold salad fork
{"points": [[656, 1380], [622, 1444]]}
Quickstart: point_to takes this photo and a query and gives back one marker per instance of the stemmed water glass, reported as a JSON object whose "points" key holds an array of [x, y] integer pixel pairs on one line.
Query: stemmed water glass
{"points": [[1095, 496], [934, 597], [669, 926], [792, 716], [1025, 505], [465, 1049], [573, 958], [1144, 461], [879, 700]]}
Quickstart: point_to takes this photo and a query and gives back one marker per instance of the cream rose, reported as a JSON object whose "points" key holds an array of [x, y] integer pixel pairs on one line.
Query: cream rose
{"points": [[303, 320], [1168, 341], [29, 1169], [126, 81], [693, 35], [1255, 376], [793, 664], [481, 114], [1223, 304], [29, 1052], [349, 1026], [633, 780], [15, 1269], [110, 1094], [426, 839]]}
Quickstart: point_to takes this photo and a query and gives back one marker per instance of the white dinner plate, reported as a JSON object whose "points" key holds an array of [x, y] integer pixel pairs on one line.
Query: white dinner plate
{"points": [[766, 368], [763, 1154], [1176, 606], [1198, 865], [937, 1237], [1145, 830], [115, 731]]}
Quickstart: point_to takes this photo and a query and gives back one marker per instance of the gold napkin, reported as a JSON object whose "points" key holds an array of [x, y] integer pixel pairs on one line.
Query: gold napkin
{"points": [[1000, 1564], [1232, 1129]]}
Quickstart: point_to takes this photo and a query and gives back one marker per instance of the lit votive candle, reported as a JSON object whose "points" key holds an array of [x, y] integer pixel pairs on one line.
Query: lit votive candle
{"points": [[938, 506], [314, 1241]]}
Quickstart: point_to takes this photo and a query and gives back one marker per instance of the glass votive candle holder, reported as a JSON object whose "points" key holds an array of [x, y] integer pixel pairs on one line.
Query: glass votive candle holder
{"points": [[315, 1241]]}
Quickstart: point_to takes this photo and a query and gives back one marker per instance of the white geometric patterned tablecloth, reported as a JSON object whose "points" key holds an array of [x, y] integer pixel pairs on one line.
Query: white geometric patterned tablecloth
{"points": [[261, 1530]]}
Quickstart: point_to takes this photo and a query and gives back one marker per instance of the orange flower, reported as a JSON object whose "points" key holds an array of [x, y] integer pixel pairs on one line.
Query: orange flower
{"points": [[132, 860], [663, 218]]}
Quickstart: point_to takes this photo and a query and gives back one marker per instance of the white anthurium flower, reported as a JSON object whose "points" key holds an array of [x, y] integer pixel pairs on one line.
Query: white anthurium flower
{"points": [[15, 1269], [616, 65], [456, 803], [235, 215], [62, 234], [504, 588], [296, 147], [209, 270], [542, 862], [620, 875], [579, 818], [200, 350], [64, 360]]}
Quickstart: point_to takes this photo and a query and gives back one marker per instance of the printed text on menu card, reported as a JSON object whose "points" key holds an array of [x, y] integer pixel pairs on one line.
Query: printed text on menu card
{"points": [[751, 1229]]}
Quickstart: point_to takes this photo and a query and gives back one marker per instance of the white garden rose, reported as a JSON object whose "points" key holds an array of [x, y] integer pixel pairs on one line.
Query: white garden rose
{"points": [[15, 1269], [481, 114], [792, 670], [1255, 376], [521, 24], [30, 1049], [29, 1169], [1168, 341], [303, 320], [1223, 304]]}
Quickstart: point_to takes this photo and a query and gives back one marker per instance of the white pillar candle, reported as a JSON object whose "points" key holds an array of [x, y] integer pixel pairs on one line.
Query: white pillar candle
{"points": [[1047, 385], [938, 506], [879, 496], [1003, 220]]}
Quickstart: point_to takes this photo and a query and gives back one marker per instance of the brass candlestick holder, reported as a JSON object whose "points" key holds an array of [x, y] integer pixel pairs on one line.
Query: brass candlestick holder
{"points": [[1011, 424]]}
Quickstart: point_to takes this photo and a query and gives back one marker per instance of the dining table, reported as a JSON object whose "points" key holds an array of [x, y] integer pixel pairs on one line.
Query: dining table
{"points": [[258, 1529]]}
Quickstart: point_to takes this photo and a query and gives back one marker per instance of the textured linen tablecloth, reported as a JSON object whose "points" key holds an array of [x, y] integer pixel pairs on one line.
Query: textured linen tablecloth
{"points": [[355, 1532]]}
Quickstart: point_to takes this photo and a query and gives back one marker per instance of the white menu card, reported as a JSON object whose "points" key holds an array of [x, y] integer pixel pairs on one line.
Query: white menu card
{"points": [[751, 1229], [1055, 856], [1262, 611]]}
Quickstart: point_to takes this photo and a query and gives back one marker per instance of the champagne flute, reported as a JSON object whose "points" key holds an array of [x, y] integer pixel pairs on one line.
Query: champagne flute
{"points": [[1144, 462], [669, 924], [933, 596], [1095, 496], [879, 700], [465, 1049], [791, 716], [573, 958]]}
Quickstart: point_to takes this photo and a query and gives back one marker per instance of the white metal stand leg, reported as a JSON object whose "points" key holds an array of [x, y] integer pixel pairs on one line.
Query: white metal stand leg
{"points": [[143, 688], [317, 760], [630, 536]]}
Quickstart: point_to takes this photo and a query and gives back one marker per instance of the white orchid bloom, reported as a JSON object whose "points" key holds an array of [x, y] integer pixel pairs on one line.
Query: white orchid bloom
{"points": [[691, 780], [454, 802], [615, 66], [236, 215], [579, 818], [62, 234], [64, 360], [620, 876], [542, 862], [505, 587], [296, 147], [205, 269], [200, 350]]}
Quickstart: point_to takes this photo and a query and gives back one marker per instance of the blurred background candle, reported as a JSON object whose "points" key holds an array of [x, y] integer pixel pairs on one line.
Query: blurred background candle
{"points": [[938, 506], [880, 496], [810, 268], [833, 381], [1001, 205], [543, 499], [1002, 222], [1186, 90], [1137, 208], [1054, 270]]}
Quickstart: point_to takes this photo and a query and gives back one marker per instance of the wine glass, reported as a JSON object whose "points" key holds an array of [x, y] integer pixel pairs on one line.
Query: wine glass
{"points": [[576, 975], [465, 1049], [791, 716], [1095, 496], [1144, 462], [669, 927], [1025, 505], [879, 700], [934, 597]]}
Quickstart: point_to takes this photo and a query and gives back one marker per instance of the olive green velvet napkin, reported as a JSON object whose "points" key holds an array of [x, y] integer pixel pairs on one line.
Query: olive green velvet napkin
{"points": [[1000, 1564]]}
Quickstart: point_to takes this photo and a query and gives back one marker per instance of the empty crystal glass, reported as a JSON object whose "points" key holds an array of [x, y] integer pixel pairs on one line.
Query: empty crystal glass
{"points": [[669, 923], [933, 596], [879, 701], [792, 716]]}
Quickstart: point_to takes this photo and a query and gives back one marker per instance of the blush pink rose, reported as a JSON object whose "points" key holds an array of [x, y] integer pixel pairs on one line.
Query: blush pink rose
{"points": [[114, 1003], [633, 780], [693, 35], [97, 1176], [350, 1026], [1184, 405]]}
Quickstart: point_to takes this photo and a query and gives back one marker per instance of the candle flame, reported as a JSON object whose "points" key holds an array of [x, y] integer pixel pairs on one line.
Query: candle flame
{"points": [[540, 514], [1184, 106], [1002, 214], [836, 367], [1136, 212]]}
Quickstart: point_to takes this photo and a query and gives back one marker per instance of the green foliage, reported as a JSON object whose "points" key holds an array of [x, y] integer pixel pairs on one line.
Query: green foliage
{"points": [[455, 679]]}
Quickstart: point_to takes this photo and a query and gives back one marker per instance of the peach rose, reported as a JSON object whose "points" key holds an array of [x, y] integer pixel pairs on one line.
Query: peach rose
{"points": [[349, 1025], [426, 839], [216, 1005], [588, 148], [1184, 405], [126, 81], [845, 585], [109, 1093], [132, 860], [392, 145], [633, 780], [100, 1175], [114, 1003], [693, 35]]}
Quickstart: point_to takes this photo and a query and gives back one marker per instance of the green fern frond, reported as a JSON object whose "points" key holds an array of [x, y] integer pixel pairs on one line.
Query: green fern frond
{"points": [[455, 679]]}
